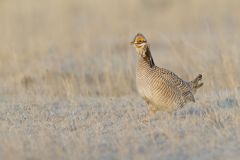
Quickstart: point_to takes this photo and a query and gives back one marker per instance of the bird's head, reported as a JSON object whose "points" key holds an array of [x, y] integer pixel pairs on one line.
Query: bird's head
{"points": [[140, 43]]}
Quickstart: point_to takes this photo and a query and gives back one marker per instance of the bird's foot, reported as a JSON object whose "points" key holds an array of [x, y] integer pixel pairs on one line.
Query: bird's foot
{"points": [[145, 119]]}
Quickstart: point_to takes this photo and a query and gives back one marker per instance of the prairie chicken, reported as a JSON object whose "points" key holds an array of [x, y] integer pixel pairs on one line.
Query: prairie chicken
{"points": [[160, 88]]}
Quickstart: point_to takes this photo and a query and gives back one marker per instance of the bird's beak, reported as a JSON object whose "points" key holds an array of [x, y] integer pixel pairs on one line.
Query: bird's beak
{"points": [[131, 43]]}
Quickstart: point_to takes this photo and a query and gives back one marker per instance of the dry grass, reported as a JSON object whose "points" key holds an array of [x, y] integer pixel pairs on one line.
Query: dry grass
{"points": [[68, 84]]}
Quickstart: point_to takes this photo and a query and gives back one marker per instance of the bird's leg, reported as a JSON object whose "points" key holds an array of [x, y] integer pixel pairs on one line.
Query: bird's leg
{"points": [[151, 112]]}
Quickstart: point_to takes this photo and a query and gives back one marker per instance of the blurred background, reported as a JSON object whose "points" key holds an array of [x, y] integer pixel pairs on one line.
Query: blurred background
{"points": [[71, 48]]}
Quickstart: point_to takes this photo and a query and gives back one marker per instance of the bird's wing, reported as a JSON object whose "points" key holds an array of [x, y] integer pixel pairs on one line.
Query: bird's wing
{"points": [[177, 83]]}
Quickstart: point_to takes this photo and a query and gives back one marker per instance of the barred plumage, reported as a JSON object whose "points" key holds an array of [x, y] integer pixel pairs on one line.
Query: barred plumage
{"points": [[161, 88]]}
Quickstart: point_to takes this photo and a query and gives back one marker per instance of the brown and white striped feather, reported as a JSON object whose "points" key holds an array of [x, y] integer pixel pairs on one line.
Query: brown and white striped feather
{"points": [[162, 88]]}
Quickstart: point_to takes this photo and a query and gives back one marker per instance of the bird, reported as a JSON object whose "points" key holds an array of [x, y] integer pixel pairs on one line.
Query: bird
{"points": [[161, 89]]}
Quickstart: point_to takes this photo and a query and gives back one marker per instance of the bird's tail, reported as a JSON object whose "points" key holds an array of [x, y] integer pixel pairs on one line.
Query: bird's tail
{"points": [[195, 83]]}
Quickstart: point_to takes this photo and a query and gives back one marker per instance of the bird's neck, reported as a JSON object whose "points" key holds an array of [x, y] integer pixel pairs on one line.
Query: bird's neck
{"points": [[145, 57]]}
